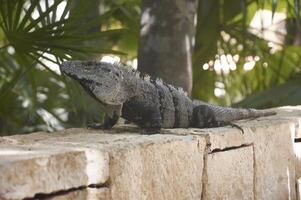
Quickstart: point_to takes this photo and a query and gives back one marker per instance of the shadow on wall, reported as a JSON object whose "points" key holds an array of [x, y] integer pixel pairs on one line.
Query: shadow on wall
{"points": [[298, 167]]}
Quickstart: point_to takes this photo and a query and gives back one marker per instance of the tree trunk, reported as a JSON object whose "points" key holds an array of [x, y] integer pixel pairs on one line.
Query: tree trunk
{"points": [[297, 40], [166, 40], [94, 12]]}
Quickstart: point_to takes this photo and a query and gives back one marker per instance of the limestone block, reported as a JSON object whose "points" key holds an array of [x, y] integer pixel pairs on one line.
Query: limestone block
{"points": [[82, 194], [273, 141], [171, 170], [274, 158], [274, 161], [293, 113], [144, 166], [138, 166], [229, 174], [28, 170]]}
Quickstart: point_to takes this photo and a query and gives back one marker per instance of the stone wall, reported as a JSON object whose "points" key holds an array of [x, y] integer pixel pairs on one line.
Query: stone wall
{"points": [[264, 162]]}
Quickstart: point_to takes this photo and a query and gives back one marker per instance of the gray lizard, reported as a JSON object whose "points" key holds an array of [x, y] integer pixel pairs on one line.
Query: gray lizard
{"points": [[147, 102]]}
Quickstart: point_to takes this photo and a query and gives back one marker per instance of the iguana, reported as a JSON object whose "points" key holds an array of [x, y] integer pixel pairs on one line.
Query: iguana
{"points": [[147, 102]]}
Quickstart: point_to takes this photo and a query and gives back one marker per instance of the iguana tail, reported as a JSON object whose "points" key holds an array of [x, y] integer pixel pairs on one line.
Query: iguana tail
{"points": [[226, 114]]}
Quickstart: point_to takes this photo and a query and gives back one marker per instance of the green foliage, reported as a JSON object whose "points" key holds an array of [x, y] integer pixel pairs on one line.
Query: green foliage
{"points": [[127, 13], [288, 93], [32, 95], [271, 71]]}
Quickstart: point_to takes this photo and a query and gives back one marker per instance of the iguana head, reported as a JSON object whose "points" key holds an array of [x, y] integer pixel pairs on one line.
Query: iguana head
{"points": [[102, 80]]}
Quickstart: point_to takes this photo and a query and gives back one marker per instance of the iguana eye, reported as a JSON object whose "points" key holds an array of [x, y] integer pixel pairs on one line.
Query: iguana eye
{"points": [[106, 69], [98, 84]]}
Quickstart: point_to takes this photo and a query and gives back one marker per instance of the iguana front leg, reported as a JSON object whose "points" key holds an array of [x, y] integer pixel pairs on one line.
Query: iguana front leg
{"points": [[111, 117], [109, 122], [153, 124]]}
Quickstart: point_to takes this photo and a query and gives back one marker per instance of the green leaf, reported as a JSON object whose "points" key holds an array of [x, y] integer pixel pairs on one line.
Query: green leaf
{"points": [[28, 13], [288, 93], [42, 15], [274, 6]]}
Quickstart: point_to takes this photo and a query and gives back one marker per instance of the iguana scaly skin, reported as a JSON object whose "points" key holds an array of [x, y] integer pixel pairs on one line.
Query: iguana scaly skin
{"points": [[149, 103]]}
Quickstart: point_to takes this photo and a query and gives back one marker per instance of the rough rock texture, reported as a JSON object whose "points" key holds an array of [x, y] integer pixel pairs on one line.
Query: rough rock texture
{"points": [[80, 194], [273, 142], [30, 169], [229, 174], [220, 163], [158, 171], [274, 162], [292, 113], [139, 165]]}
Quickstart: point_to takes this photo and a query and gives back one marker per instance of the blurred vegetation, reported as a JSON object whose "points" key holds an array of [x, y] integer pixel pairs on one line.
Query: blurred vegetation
{"points": [[32, 37], [273, 74], [35, 34]]}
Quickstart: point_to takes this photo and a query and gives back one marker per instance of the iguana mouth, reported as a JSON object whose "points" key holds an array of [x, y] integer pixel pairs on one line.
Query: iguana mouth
{"points": [[84, 83]]}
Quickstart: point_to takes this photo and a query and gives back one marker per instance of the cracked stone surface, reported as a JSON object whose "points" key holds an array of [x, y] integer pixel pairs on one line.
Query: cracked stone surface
{"points": [[30, 169], [80, 194], [137, 166], [273, 141], [229, 174], [177, 164]]}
